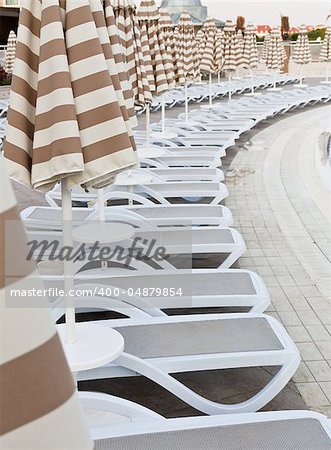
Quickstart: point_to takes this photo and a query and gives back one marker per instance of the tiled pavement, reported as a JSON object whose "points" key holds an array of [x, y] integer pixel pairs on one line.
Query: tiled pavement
{"points": [[284, 213]]}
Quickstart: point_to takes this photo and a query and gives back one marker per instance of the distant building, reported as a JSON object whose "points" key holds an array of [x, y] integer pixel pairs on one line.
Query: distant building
{"points": [[9, 12], [196, 10], [262, 30]]}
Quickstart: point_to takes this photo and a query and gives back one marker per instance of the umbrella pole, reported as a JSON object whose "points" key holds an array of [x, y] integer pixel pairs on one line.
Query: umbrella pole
{"points": [[163, 115], [210, 92], [230, 86], [186, 102], [218, 77], [148, 118], [327, 72], [68, 265], [252, 80], [101, 205], [274, 79], [300, 76]]}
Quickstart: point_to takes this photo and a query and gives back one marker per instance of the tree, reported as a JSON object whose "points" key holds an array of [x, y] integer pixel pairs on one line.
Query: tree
{"points": [[240, 23]]}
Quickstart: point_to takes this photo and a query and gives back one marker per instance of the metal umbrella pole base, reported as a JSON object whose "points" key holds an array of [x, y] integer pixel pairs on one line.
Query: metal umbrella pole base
{"points": [[275, 88]]}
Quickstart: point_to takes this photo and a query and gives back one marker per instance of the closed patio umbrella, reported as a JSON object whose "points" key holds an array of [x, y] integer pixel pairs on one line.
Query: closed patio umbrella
{"points": [[39, 408], [208, 62], [264, 51], [161, 77], [10, 52], [219, 53], [239, 53], [275, 54], [230, 51], [325, 54], [186, 41], [250, 53], [167, 28], [130, 40], [199, 38], [301, 52], [65, 121]]}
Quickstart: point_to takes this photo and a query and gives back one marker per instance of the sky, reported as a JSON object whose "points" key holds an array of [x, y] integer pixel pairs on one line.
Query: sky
{"points": [[268, 11]]}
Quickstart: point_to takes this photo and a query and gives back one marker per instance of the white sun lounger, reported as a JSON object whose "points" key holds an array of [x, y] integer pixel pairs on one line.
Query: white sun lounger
{"points": [[237, 290], [158, 215], [159, 347], [119, 424], [160, 192], [184, 243]]}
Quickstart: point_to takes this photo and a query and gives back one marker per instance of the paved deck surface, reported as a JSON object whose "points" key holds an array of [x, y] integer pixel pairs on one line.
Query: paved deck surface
{"points": [[283, 210]]}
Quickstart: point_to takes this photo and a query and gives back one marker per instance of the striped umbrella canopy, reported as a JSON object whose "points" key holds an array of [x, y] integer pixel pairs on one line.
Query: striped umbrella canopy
{"points": [[230, 47], [275, 55], [129, 34], [266, 42], [162, 76], [208, 47], [66, 117], [240, 49], [301, 52], [10, 52], [186, 46], [250, 53], [325, 54], [167, 26], [219, 50], [39, 405], [199, 40], [108, 34]]}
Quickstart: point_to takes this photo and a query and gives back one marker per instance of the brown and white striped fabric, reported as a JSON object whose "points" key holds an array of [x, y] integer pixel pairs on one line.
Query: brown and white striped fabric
{"points": [[198, 46], [219, 50], [167, 28], [39, 408], [240, 49], [185, 40], [266, 42], [130, 39], [10, 52], [301, 52], [65, 118], [107, 30], [161, 78], [250, 53], [230, 47], [275, 55], [325, 54], [208, 47]]}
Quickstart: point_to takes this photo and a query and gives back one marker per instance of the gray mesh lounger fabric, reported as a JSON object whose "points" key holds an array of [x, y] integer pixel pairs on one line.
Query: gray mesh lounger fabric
{"points": [[56, 214], [199, 337], [297, 434], [185, 211], [192, 284]]}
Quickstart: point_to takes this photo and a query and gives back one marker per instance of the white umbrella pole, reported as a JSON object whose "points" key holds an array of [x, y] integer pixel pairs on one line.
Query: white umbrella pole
{"points": [[230, 86], [252, 80], [218, 77], [186, 102], [274, 79], [210, 91], [327, 72], [101, 205], [301, 76], [68, 265], [148, 118], [163, 115]]}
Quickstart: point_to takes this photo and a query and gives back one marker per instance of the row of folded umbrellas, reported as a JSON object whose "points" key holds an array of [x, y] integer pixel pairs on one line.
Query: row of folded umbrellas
{"points": [[179, 54]]}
